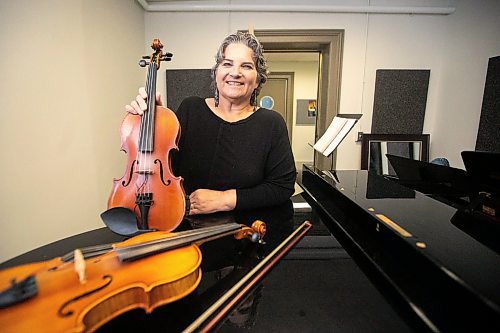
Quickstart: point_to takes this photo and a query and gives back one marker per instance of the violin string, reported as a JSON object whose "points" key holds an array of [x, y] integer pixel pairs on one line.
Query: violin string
{"points": [[145, 132], [140, 250], [145, 146], [151, 106], [141, 145], [143, 138], [148, 126]]}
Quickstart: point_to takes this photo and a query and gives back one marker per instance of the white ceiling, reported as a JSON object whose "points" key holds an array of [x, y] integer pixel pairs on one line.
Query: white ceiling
{"points": [[436, 7]]}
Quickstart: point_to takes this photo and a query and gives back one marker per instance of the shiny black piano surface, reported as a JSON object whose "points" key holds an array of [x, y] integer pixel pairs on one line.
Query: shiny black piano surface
{"points": [[434, 264], [317, 287]]}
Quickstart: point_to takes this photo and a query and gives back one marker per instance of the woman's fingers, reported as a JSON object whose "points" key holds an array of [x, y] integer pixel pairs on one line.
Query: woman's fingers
{"points": [[205, 201], [143, 93], [158, 99], [139, 105], [130, 109], [134, 108]]}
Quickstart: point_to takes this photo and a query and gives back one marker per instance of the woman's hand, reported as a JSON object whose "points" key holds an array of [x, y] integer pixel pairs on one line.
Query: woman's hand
{"points": [[138, 106], [209, 201]]}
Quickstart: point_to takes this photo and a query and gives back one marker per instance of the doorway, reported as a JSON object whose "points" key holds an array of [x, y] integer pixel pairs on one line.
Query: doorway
{"points": [[277, 95], [301, 111], [329, 45]]}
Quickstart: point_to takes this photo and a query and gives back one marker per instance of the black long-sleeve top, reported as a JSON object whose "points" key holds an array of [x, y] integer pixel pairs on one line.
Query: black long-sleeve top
{"points": [[252, 155]]}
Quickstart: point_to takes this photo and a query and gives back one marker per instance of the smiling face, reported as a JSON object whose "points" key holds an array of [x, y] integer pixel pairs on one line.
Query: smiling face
{"points": [[236, 75]]}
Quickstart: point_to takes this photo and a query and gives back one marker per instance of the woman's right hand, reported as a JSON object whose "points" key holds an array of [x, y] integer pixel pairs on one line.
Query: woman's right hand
{"points": [[138, 106]]}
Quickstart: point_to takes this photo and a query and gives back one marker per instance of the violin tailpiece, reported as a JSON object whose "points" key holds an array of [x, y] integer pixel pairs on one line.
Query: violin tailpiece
{"points": [[19, 292]]}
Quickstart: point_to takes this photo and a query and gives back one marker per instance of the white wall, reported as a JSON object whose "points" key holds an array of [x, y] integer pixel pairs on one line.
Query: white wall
{"points": [[454, 47], [67, 68]]}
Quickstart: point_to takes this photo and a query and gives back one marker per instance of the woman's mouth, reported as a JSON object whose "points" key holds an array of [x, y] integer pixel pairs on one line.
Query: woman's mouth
{"points": [[234, 83]]}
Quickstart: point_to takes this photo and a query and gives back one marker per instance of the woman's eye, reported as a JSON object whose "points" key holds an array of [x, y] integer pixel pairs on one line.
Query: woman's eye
{"points": [[226, 64]]}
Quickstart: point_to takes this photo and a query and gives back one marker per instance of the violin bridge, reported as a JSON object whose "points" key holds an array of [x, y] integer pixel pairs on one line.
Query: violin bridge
{"points": [[145, 171], [79, 262]]}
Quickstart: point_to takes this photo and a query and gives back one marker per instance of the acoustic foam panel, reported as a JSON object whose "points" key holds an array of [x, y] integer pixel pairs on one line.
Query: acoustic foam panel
{"points": [[182, 83], [488, 134], [400, 101]]}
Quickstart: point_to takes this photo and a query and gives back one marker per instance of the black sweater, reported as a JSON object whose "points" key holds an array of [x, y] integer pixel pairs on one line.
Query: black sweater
{"points": [[252, 155]]}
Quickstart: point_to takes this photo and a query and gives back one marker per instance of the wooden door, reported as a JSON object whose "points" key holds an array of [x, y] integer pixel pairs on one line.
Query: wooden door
{"points": [[277, 95]]}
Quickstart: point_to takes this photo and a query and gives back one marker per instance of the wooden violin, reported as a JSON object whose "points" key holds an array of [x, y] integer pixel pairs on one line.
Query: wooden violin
{"points": [[77, 293], [148, 188]]}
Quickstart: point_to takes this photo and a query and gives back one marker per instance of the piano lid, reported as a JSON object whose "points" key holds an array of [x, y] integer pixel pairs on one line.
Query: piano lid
{"points": [[484, 169]]}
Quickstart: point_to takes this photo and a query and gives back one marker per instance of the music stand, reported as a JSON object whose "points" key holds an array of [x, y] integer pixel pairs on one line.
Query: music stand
{"points": [[338, 129]]}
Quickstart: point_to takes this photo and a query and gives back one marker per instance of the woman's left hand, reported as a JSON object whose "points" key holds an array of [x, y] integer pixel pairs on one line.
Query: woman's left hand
{"points": [[204, 201]]}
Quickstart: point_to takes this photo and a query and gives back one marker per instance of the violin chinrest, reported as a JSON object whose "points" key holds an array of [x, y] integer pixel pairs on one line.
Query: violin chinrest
{"points": [[122, 221]]}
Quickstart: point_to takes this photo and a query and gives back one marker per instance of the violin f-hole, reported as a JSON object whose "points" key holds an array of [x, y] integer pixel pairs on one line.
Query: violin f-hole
{"points": [[63, 313], [130, 174], [161, 173]]}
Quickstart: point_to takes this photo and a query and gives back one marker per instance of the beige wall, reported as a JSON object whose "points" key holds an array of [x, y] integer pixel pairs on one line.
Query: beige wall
{"points": [[67, 70]]}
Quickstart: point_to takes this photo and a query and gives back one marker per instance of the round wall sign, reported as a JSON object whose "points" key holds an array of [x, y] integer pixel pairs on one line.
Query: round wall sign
{"points": [[267, 102]]}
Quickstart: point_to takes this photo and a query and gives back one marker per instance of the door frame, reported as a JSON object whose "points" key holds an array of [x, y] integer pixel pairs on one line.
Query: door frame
{"points": [[329, 44]]}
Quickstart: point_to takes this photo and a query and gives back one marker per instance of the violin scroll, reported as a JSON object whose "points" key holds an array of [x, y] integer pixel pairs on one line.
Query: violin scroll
{"points": [[157, 56], [255, 233]]}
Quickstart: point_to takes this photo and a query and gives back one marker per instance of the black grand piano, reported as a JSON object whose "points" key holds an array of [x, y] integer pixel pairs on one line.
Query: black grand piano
{"points": [[380, 257], [432, 245]]}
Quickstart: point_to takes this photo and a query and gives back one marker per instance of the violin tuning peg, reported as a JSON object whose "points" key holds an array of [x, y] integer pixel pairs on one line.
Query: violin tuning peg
{"points": [[143, 63], [168, 54], [255, 238], [146, 57]]}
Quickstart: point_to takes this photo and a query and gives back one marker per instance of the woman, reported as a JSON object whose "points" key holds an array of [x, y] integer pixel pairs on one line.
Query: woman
{"points": [[231, 154]]}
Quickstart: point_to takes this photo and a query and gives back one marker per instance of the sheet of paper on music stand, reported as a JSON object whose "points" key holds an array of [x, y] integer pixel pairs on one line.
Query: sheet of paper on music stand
{"points": [[334, 134]]}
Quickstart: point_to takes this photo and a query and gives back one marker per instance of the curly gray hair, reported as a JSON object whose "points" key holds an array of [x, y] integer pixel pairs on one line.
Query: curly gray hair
{"points": [[253, 43]]}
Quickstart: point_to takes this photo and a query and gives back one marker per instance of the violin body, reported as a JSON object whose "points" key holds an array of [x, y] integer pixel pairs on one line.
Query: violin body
{"points": [[112, 287], [148, 188], [150, 172], [74, 293]]}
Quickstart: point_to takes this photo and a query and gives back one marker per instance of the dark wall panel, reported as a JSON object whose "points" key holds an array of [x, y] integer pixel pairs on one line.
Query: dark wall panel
{"points": [[182, 83], [488, 134], [400, 101]]}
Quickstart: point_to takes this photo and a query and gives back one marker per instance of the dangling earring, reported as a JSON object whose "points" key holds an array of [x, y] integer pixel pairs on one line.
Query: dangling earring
{"points": [[253, 99], [216, 97]]}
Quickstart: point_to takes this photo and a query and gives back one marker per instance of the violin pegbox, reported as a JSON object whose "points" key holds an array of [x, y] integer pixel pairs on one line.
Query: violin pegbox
{"points": [[157, 56]]}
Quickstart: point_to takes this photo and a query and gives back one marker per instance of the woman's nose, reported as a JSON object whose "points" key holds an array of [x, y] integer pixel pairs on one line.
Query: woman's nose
{"points": [[235, 72]]}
